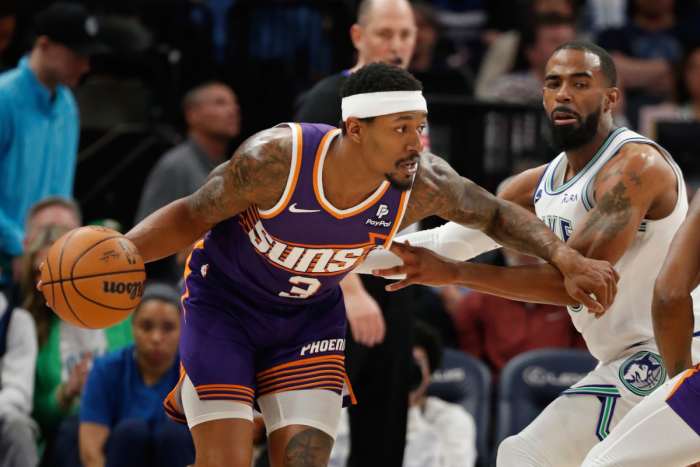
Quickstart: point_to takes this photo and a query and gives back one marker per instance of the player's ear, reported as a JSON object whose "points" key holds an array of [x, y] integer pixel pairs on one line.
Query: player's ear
{"points": [[356, 35], [612, 98], [353, 129]]}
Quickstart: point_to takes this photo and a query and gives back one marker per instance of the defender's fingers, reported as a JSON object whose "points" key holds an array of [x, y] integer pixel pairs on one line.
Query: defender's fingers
{"points": [[394, 286], [392, 271]]}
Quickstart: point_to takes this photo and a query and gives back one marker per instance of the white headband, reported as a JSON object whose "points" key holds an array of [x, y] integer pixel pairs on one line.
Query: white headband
{"points": [[374, 104]]}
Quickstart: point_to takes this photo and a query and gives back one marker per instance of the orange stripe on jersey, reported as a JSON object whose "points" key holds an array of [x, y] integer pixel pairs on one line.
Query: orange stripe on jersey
{"points": [[224, 387], [218, 397], [170, 403], [318, 184], [306, 361], [318, 368], [318, 385], [403, 203], [353, 399], [197, 246], [687, 374], [274, 385], [324, 245], [276, 380], [297, 153]]}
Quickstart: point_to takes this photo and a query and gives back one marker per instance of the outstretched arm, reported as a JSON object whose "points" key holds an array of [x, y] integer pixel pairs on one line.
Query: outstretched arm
{"points": [[440, 190], [256, 174], [672, 308]]}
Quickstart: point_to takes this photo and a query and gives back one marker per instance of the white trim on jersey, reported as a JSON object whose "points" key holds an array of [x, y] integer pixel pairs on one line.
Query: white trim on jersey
{"points": [[373, 198]]}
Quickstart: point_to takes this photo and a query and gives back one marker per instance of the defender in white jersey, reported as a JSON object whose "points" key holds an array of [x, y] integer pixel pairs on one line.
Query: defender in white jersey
{"points": [[612, 195], [672, 412]]}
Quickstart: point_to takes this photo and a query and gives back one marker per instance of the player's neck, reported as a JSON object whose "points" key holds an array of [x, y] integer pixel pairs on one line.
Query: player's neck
{"points": [[578, 158], [347, 181]]}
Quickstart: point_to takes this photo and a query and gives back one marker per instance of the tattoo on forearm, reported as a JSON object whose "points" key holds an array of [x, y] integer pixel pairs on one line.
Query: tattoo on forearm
{"points": [[310, 448], [519, 229]]}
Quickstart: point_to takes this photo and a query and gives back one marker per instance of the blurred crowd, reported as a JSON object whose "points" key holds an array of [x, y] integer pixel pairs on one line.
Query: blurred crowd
{"points": [[212, 72]]}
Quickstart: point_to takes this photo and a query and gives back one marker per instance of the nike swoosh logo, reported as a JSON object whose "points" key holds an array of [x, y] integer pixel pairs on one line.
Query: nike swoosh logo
{"points": [[294, 209]]}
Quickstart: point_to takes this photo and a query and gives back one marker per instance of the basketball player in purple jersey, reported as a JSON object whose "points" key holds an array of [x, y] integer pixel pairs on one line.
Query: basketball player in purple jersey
{"points": [[296, 208], [672, 412]]}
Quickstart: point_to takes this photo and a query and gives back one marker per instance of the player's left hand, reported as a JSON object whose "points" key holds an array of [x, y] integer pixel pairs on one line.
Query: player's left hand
{"points": [[420, 265], [591, 282]]}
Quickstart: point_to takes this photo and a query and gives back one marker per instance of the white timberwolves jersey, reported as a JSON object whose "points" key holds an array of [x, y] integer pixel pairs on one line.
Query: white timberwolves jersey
{"points": [[563, 206]]}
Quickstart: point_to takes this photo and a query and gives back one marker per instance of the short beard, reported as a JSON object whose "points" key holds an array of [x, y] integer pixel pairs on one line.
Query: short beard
{"points": [[569, 137], [398, 185]]}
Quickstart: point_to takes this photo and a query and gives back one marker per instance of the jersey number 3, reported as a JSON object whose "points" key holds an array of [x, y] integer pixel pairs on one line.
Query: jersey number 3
{"points": [[302, 287]]}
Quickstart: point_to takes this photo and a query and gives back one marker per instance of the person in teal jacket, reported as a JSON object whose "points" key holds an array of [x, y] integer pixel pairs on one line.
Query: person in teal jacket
{"points": [[39, 124]]}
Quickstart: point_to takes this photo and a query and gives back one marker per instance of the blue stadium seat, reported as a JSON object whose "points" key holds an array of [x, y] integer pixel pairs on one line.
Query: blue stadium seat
{"points": [[464, 380], [530, 381]]}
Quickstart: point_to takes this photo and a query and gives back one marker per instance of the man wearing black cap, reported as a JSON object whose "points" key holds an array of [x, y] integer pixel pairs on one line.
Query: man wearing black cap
{"points": [[39, 124]]}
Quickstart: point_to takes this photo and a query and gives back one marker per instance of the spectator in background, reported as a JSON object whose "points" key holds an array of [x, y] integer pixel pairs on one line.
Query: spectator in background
{"points": [[645, 52], [39, 119], [523, 87], [385, 31], [18, 350], [52, 210], [503, 54], [65, 352], [438, 433], [688, 106], [538, 43], [213, 120], [430, 61], [496, 329], [122, 422]]}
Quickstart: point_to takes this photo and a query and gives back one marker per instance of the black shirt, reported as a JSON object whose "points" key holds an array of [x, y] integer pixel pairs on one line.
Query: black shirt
{"points": [[322, 103]]}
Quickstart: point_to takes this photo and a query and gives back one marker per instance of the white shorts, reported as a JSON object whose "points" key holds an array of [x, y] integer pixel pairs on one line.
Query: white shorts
{"points": [[585, 414], [651, 435], [317, 408]]}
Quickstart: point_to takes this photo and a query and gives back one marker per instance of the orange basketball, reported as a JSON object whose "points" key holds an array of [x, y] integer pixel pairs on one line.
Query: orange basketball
{"points": [[93, 277]]}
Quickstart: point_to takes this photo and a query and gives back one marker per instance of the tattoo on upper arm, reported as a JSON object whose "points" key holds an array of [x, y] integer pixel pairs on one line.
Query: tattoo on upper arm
{"points": [[256, 174], [309, 448], [612, 214]]}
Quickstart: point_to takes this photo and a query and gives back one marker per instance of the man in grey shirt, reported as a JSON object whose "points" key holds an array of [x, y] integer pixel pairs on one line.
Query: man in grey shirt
{"points": [[213, 120]]}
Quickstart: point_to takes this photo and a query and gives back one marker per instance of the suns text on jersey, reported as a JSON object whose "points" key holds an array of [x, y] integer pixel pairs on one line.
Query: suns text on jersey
{"points": [[305, 259]]}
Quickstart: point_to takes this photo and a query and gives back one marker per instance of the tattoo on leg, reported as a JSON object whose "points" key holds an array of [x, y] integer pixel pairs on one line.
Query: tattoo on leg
{"points": [[309, 448]]}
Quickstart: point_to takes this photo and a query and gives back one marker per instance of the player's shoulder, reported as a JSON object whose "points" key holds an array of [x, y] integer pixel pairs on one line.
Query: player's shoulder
{"points": [[520, 188], [271, 143], [641, 160], [266, 154]]}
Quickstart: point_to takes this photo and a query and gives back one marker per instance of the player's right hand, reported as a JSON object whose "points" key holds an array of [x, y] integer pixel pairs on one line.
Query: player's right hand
{"points": [[592, 283]]}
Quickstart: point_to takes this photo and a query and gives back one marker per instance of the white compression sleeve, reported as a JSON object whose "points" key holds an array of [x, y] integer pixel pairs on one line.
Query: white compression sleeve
{"points": [[450, 240]]}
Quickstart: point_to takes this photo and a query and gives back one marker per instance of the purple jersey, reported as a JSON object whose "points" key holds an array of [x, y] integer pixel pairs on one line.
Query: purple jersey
{"points": [[685, 398], [299, 250]]}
